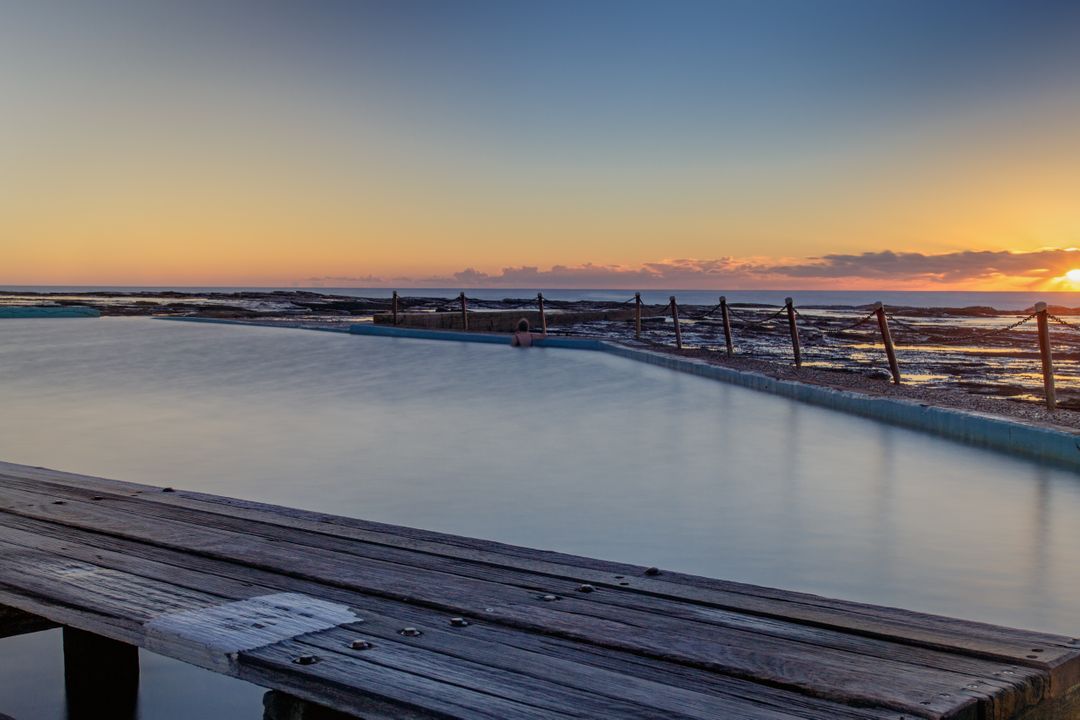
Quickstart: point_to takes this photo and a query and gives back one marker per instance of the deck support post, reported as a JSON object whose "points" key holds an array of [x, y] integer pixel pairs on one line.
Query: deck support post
{"points": [[394, 306], [1046, 355], [886, 337], [675, 318], [101, 676], [727, 325], [795, 348], [543, 317], [464, 312], [637, 316]]}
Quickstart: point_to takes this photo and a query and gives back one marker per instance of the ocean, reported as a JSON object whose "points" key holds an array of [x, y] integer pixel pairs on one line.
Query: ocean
{"points": [[1004, 301]]}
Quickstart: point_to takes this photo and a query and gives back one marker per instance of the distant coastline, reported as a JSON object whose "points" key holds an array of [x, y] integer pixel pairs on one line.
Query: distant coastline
{"points": [[1004, 301]]}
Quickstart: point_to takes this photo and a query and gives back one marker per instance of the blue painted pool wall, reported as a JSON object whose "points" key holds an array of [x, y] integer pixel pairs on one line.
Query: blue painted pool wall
{"points": [[50, 311]]}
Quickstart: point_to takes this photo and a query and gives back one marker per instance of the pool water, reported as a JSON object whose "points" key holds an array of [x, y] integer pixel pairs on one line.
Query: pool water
{"points": [[567, 450]]}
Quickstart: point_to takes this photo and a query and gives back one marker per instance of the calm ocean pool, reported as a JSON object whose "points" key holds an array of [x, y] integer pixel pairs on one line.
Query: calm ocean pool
{"points": [[567, 450]]}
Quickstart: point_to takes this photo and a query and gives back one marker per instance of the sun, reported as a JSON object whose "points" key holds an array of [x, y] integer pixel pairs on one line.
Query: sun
{"points": [[1073, 276]]}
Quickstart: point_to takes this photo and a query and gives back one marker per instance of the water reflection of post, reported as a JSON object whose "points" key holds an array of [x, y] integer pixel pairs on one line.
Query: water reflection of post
{"points": [[885, 541], [792, 525], [1040, 534]]}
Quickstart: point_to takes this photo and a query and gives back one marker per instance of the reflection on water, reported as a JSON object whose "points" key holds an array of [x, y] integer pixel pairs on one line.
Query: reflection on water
{"points": [[567, 450]]}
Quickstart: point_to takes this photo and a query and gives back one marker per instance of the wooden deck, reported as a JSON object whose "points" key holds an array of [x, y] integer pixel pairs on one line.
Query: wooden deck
{"points": [[317, 606]]}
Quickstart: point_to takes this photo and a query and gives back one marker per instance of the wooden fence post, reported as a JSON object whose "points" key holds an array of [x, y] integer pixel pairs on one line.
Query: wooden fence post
{"points": [[727, 324], [1047, 356], [637, 316], [464, 312], [886, 337], [394, 306], [543, 317], [794, 331], [675, 317]]}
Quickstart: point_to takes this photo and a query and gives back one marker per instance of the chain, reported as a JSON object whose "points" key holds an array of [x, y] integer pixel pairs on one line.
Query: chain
{"points": [[662, 311], [989, 333], [856, 324], [905, 325], [705, 315], [1064, 323], [757, 323]]}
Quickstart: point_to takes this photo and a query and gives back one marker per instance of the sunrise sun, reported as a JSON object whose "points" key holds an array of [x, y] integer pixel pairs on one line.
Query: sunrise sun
{"points": [[1073, 276]]}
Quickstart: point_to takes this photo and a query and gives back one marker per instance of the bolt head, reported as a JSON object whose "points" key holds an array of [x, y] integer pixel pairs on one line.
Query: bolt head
{"points": [[168, 489], [586, 588], [652, 571], [306, 659], [360, 645], [411, 632], [549, 598], [459, 622]]}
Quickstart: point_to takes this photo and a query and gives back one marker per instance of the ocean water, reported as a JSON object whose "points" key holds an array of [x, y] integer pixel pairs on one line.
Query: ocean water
{"points": [[566, 450], [847, 298]]}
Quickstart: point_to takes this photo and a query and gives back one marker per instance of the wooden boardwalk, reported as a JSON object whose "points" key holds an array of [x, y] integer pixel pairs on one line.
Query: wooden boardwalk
{"points": [[391, 622]]}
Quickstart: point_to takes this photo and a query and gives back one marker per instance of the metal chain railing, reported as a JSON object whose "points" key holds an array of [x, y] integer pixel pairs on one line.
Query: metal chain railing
{"points": [[983, 334], [706, 315], [852, 326], [755, 323], [905, 325], [1063, 323]]}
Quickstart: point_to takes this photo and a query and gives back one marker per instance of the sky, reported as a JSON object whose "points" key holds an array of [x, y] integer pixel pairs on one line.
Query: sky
{"points": [[726, 144]]}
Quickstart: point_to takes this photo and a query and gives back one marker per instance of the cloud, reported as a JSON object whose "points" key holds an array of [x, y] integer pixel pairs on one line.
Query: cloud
{"points": [[882, 269], [957, 267], [662, 273]]}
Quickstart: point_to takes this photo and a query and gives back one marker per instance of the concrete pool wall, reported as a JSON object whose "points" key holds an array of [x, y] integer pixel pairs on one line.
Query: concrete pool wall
{"points": [[989, 431]]}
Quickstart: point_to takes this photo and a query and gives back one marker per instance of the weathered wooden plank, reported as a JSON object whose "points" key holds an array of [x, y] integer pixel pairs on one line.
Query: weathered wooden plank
{"points": [[384, 618], [103, 589], [476, 690], [176, 546], [109, 591], [1030, 690], [845, 676], [133, 597], [980, 639]]}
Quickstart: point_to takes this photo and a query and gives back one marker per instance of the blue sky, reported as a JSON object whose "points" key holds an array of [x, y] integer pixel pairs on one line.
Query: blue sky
{"points": [[380, 134]]}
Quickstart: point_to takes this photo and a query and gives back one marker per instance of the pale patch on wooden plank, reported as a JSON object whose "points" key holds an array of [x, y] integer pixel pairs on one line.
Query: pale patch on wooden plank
{"points": [[219, 632]]}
